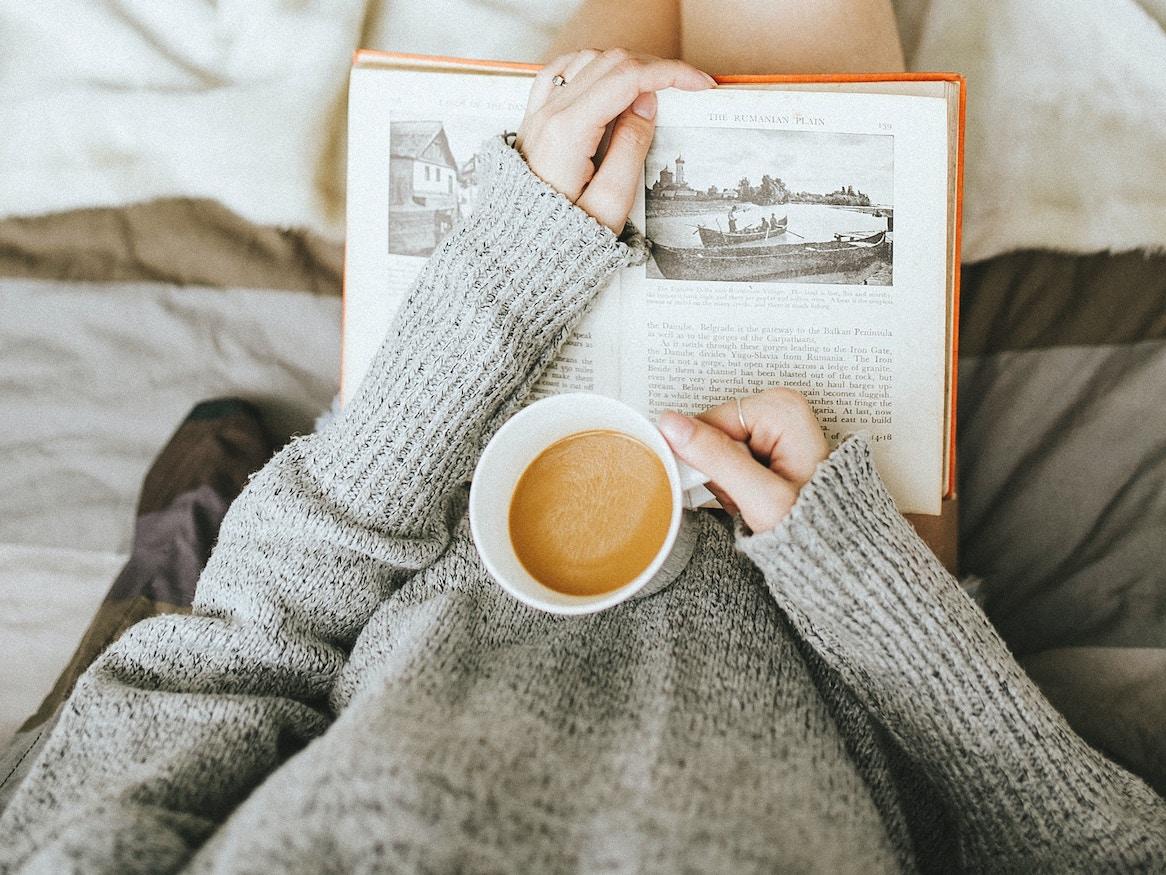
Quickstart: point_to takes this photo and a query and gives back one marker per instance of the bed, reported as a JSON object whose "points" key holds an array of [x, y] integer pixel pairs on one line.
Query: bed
{"points": [[141, 274]]}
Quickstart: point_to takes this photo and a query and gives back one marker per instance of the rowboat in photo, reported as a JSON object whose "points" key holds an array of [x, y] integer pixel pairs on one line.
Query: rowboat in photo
{"points": [[713, 237], [768, 262]]}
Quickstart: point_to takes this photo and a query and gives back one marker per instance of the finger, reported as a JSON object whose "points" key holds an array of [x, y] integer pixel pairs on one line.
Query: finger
{"points": [[592, 72], [600, 102], [583, 76], [723, 499], [782, 429], [583, 59], [541, 88], [612, 190], [724, 416], [763, 497], [576, 74], [790, 430]]}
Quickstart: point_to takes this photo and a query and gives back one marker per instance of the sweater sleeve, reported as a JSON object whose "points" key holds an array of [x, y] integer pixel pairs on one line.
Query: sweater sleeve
{"points": [[1026, 792], [175, 723]]}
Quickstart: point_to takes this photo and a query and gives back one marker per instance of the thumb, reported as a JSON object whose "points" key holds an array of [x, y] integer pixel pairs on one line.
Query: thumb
{"points": [[612, 190], [763, 497]]}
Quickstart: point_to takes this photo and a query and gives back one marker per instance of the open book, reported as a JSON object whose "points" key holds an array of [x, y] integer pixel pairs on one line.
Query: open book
{"points": [[805, 233]]}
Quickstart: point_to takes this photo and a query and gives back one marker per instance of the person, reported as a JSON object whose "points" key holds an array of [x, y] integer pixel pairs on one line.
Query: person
{"points": [[352, 692], [733, 219]]}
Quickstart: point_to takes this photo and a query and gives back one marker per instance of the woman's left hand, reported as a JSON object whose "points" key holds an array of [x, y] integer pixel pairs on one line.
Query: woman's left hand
{"points": [[607, 95]]}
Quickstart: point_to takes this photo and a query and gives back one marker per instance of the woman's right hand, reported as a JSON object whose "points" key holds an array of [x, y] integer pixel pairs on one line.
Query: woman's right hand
{"points": [[565, 126], [759, 454]]}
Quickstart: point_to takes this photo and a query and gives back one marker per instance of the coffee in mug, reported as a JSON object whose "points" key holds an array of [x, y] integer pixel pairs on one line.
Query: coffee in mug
{"points": [[569, 500], [591, 512]]}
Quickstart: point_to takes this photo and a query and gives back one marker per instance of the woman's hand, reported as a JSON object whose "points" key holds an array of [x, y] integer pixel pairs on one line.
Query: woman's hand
{"points": [[588, 138], [760, 471]]}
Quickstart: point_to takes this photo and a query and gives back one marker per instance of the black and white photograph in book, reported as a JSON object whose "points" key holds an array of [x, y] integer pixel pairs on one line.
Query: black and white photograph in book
{"points": [[433, 179], [757, 205]]}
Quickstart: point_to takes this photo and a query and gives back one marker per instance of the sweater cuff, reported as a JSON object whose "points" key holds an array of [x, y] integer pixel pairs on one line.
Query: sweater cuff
{"points": [[487, 314], [843, 512], [855, 571], [522, 267], [538, 232]]}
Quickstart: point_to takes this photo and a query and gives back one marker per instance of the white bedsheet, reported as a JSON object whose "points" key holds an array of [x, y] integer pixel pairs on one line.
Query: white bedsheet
{"points": [[97, 376], [105, 102]]}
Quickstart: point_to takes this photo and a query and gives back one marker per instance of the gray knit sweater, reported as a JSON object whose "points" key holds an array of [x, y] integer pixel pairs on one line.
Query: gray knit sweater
{"points": [[353, 693]]}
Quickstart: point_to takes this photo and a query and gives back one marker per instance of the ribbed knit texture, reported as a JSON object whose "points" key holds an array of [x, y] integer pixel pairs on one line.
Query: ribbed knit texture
{"points": [[353, 693], [861, 590]]}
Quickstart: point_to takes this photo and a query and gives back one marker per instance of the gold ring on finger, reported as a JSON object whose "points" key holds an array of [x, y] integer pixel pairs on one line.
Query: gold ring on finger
{"points": [[741, 419]]}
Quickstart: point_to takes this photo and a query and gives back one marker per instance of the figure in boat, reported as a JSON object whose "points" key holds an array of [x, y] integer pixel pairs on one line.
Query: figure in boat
{"points": [[763, 230]]}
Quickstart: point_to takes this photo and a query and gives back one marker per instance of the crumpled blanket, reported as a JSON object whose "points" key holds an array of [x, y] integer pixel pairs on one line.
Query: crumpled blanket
{"points": [[109, 102]]}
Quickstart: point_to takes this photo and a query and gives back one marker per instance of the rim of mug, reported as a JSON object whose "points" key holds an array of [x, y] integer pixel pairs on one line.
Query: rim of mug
{"points": [[580, 605]]}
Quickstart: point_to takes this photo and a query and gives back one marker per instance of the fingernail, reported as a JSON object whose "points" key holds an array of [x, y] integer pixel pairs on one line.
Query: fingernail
{"points": [[645, 105], [675, 427], [711, 80]]}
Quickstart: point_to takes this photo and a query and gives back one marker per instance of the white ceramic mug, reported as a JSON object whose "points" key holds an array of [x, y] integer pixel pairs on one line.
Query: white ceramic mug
{"points": [[518, 442]]}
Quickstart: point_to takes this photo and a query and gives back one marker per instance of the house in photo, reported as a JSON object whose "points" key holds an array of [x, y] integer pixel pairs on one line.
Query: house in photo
{"points": [[423, 187]]}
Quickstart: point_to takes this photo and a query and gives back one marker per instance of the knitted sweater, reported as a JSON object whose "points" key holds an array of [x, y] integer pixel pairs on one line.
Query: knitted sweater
{"points": [[353, 692]]}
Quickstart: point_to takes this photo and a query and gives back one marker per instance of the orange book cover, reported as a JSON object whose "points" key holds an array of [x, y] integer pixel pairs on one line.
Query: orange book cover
{"points": [[371, 57]]}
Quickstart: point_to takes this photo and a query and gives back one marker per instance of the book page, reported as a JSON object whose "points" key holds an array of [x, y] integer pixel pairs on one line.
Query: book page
{"points": [[413, 141], [799, 239]]}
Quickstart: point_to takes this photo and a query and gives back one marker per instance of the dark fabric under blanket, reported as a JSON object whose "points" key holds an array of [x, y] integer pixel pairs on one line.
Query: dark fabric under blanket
{"points": [[1037, 300], [185, 495], [1062, 477]]}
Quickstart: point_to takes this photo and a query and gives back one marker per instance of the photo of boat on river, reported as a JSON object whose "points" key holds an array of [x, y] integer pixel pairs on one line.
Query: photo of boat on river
{"points": [[751, 205]]}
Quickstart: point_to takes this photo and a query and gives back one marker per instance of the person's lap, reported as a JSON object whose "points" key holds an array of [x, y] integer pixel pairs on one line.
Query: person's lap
{"points": [[738, 36]]}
